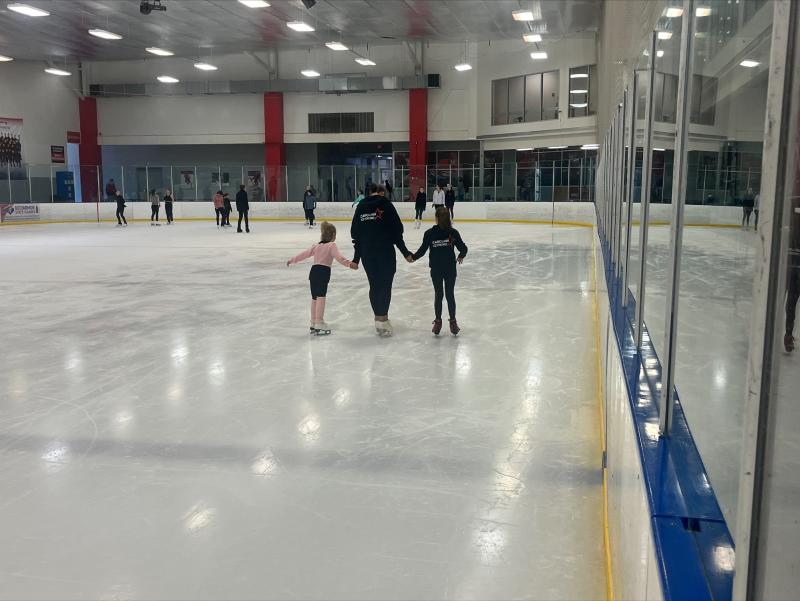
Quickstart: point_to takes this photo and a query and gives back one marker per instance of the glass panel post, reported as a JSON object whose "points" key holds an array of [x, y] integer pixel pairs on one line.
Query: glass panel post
{"points": [[647, 148], [630, 192]]}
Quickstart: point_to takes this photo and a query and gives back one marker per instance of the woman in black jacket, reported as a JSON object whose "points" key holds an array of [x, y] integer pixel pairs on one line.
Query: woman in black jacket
{"points": [[450, 199], [120, 209], [376, 230], [419, 207]]}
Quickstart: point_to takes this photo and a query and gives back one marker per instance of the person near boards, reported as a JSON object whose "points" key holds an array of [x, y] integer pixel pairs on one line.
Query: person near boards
{"points": [[419, 207], [243, 208], [450, 199], [120, 209], [168, 205]]}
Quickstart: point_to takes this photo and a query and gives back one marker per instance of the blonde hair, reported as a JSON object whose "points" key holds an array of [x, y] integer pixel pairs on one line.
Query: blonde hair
{"points": [[327, 231]]}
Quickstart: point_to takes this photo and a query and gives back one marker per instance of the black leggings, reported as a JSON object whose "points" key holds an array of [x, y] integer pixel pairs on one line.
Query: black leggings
{"points": [[246, 221], [450, 208], [220, 213], [444, 283], [168, 211], [154, 212], [380, 273], [121, 215], [310, 216], [792, 296], [420, 211]]}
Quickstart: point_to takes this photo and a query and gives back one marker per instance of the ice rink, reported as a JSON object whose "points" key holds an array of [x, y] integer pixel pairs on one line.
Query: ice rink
{"points": [[169, 430]]}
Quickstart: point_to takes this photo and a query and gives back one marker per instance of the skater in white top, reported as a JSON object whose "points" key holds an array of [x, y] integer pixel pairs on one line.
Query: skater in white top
{"points": [[438, 197], [324, 253]]}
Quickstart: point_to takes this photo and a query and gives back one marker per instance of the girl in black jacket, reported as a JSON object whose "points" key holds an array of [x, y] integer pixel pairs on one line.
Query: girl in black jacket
{"points": [[441, 239], [419, 207]]}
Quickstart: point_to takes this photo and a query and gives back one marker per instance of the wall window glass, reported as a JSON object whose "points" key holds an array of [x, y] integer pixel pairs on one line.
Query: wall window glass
{"points": [[526, 98], [582, 91]]}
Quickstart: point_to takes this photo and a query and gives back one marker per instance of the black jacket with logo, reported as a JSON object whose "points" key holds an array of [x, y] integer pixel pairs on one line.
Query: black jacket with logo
{"points": [[377, 228], [442, 243]]}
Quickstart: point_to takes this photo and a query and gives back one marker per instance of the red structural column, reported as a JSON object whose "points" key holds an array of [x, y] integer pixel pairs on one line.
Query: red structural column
{"points": [[274, 148], [89, 150], [417, 138]]}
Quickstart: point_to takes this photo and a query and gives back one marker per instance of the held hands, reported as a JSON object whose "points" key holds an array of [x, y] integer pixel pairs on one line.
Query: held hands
{"points": [[353, 266], [288, 263], [460, 260], [410, 258]]}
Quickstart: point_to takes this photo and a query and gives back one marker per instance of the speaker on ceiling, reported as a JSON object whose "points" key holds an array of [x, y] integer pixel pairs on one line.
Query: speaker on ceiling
{"points": [[434, 80], [309, 3]]}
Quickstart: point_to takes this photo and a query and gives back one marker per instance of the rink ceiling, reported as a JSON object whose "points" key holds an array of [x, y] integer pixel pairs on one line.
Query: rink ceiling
{"points": [[171, 431]]}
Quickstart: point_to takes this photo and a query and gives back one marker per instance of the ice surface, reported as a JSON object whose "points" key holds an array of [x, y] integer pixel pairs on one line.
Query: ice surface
{"points": [[168, 429]]}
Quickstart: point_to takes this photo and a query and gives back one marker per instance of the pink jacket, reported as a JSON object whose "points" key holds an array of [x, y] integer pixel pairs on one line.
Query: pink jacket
{"points": [[324, 253], [218, 201]]}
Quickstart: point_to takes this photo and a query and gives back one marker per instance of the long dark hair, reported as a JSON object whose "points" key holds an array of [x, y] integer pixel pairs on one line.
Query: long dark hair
{"points": [[443, 219]]}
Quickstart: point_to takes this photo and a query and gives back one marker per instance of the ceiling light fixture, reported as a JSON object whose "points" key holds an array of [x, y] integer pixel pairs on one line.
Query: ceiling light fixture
{"points": [[532, 37], [254, 3], [309, 73], [579, 105], [590, 146], [702, 11], [750, 64], [365, 61], [299, 26], [463, 67], [28, 11], [556, 147], [664, 35], [106, 35], [54, 71], [522, 15], [338, 46], [524, 149], [578, 75], [659, 149], [205, 66], [579, 91], [673, 12], [5, 59], [167, 79], [539, 56], [159, 51]]}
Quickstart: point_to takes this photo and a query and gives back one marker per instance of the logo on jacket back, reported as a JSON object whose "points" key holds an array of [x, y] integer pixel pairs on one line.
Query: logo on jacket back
{"points": [[376, 216]]}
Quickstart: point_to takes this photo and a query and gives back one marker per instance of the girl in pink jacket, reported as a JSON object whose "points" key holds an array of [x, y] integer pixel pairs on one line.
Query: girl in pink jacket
{"points": [[324, 253], [219, 203]]}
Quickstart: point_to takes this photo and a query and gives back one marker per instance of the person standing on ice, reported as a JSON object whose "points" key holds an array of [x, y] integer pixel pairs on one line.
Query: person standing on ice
{"points": [[120, 209], [438, 197], [419, 207], [441, 240], [376, 230], [324, 253]]}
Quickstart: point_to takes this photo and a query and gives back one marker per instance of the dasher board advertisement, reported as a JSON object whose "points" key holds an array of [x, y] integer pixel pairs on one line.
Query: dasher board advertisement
{"points": [[19, 212]]}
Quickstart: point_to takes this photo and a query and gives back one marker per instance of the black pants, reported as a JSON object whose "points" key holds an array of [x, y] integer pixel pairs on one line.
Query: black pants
{"points": [[792, 295], [121, 215], [220, 213], [246, 220], [746, 212], [380, 270], [154, 212], [310, 216], [444, 284], [168, 211], [318, 279], [226, 215], [419, 211], [755, 211], [450, 208]]}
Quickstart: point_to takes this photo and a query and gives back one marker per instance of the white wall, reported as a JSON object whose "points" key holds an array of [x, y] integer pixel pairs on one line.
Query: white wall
{"points": [[47, 104]]}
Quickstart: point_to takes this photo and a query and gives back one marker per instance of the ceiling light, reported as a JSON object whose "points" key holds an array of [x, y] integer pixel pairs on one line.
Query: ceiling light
{"points": [[659, 53], [532, 37], [522, 15], [579, 105], [463, 67], [664, 35], [579, 91], [555, 147], [167, 79], [578, 75], [590, 146], [54, 71], [749, 63], [5, 59], [524, 149], [659, 149], [336, 46], [539, 56], [159, 51], [365, 61], [299, 26], [702, 11], [30, 11], [673, 12], [205, 66], [309, 73], [254, 3], [106, 35]]}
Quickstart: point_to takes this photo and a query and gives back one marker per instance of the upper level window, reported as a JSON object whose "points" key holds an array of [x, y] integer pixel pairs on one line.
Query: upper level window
{"points": [[582, 91], [525, 98]]}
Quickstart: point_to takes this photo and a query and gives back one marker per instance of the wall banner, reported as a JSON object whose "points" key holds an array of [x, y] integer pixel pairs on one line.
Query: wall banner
{"points": [[11, 143]]}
